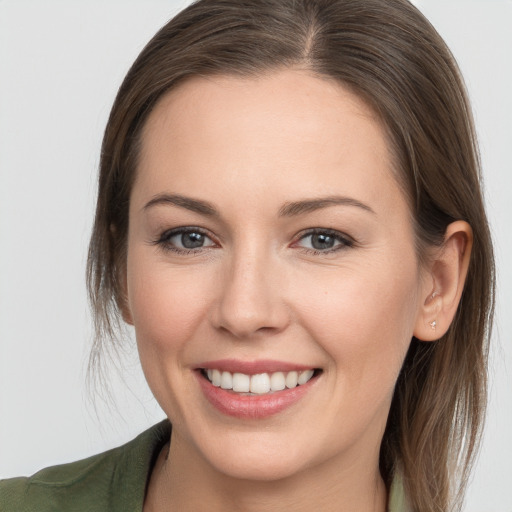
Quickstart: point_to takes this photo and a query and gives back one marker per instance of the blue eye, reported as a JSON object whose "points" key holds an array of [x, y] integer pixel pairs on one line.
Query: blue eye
{"points": [[185, 240], [324, 241]]}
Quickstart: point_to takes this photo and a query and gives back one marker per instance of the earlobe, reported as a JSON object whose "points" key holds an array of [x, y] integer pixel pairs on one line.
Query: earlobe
{"points": [[124, 305], [126, 313], [121, 273], [448, 270], [123, 302]]}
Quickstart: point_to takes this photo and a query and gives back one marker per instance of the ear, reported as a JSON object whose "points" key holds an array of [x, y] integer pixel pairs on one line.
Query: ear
{"points": [[124, 304], [121, 272], [441, 295], [126, 312]]}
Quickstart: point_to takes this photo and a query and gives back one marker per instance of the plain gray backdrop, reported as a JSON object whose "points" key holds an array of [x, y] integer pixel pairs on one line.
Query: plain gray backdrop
{"points": [[61, 63]]}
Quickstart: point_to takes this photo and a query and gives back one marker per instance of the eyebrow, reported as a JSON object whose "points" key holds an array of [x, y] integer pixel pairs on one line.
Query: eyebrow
{"points": [[310, 205], [195, 205], [287, 210]]}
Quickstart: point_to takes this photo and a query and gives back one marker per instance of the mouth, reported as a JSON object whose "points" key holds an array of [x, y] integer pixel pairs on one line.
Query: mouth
{"points": [[255, 390], [257, 384]]}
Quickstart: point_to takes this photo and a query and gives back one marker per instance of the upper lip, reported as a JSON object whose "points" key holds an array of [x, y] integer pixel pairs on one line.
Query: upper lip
{"points": [[253, 367]]}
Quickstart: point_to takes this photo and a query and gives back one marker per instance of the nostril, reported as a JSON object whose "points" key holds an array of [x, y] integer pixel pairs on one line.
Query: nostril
{"points": [[248, 326], [249, 298]]}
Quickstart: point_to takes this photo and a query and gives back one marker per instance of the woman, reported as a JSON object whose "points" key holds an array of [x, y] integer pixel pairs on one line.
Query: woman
{"points": [[289, 214]]}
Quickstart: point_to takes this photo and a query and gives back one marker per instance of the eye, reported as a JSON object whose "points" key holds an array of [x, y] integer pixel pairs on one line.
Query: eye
{"points": [[323, 241], [185, 240]]}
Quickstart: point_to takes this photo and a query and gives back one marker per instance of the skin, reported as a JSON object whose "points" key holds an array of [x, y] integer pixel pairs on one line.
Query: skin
{"points": [[257, 289]]}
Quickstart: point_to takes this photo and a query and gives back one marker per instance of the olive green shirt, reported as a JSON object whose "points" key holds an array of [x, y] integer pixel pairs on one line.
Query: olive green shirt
{"points": [[113, 481]]}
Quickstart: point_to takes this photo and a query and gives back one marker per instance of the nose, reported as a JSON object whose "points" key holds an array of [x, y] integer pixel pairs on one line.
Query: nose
{"points": [[251, 299]]}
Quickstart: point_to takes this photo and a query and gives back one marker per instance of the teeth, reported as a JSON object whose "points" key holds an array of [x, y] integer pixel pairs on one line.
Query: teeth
{"points": [[241, 383], [226, 381], [291, 379], [260, 383], [216, 378], [305, 376], [277, 381]]}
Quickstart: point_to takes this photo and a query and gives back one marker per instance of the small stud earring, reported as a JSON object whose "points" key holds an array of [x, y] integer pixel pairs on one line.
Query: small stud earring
{"points": [[433, 325]]}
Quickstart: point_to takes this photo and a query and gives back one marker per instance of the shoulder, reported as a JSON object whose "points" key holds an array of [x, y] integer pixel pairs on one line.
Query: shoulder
{"points": [[114, 480], [397, 499]]}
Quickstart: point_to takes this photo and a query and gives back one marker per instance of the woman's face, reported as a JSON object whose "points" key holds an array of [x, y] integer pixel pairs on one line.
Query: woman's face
{"points": [[270, 245]]}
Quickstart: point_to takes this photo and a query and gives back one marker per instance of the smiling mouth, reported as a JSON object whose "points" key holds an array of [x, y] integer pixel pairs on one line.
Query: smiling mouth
{"points": [[260, 383]]}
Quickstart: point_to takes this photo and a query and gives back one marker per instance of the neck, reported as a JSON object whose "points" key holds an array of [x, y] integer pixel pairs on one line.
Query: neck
{"points": [[183, 481]]}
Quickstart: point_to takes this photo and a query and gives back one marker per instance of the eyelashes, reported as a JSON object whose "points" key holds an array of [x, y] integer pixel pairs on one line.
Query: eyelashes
{"points": [[323, 241], [185, 240], [193, 240]]}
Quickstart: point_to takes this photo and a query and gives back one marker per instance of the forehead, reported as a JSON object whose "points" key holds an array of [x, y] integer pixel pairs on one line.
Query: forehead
{"points": [[310, 104], [288, 130]]}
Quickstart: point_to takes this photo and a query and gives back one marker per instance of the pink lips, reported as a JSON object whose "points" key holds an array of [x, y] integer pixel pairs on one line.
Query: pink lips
{"points": [[252, 406], [252, 367]]}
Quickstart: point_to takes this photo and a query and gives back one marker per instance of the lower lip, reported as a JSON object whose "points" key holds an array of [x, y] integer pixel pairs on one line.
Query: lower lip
{"points": [[252, 406]]}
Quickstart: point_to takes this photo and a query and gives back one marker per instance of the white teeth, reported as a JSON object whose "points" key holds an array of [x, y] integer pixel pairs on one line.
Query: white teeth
{"points": [[277, 381], [216, 378], [305, 376], [292, 379], [241, 383], [259, 384], [226, 381]]}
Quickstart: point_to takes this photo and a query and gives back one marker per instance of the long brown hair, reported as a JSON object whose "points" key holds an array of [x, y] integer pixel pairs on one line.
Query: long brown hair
{"points": [[388, 53]]}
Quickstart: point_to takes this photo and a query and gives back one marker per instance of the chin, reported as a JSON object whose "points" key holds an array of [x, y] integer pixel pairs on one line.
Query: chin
{"points": [[257, 459], [262, 469]]}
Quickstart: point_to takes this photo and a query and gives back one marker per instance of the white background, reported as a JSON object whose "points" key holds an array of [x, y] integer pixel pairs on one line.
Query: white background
{"points": [[60, 65]]}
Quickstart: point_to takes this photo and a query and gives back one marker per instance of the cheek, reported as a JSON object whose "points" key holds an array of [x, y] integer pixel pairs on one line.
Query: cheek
{"points": [[363, 318], [167, 305], [168, 309]]}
